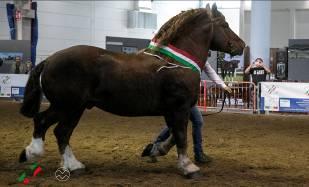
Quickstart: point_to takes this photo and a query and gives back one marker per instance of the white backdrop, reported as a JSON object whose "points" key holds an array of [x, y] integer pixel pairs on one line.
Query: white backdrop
{"points": [[66, 23]]}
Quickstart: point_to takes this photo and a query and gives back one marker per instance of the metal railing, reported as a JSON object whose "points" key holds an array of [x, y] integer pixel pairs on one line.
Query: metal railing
{"points": [[242, 98]]}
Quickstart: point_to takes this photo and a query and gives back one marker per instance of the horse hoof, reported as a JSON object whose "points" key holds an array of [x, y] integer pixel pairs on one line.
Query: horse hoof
{"points": [[194, 175], [22, 156], [147, 150]]}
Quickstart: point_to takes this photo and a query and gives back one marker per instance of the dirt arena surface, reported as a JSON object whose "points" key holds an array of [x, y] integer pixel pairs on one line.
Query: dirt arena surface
{"points": [[248, 150]]}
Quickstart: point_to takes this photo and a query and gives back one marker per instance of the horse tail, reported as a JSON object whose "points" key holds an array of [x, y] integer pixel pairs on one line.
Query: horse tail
{"points": [[33, 93]]}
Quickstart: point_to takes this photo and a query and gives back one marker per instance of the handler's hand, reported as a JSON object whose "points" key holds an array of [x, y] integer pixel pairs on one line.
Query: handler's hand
{"points": [[227, 89]]}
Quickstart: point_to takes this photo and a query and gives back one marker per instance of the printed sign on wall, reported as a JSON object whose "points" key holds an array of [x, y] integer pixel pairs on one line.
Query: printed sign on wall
{"points": [[284, 96], [12, 85]]}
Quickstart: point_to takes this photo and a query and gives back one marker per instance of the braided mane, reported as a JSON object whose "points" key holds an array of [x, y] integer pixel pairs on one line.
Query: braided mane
{"points": [[180, 24]]}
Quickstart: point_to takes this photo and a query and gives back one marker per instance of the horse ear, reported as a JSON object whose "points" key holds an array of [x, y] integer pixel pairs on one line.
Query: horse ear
{"points": [[208, 7], [214, 8]]}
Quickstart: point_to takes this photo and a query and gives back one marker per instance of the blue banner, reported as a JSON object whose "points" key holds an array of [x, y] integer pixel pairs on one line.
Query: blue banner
{"points": [[288, 105], [11, 20], [34, 33], [293, 105]]}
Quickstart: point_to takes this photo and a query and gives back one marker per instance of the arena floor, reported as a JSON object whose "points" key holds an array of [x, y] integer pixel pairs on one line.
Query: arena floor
{"points": [[248, 150]]}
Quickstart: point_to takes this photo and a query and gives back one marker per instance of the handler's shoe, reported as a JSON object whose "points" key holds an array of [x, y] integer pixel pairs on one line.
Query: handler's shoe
{"points": [[202, 158]]}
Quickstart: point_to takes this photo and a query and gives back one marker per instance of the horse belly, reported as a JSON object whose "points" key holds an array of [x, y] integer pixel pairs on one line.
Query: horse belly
{"points": [[66, 90], [129, 105], [140, 98]]}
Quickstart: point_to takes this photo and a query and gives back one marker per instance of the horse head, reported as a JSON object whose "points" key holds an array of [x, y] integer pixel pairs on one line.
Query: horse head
{"points": [[196, 31], [224, 39]]}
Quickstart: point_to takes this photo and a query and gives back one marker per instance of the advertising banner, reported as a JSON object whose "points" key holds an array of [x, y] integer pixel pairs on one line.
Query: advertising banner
{"points": [[12, 85], [284, 96]]}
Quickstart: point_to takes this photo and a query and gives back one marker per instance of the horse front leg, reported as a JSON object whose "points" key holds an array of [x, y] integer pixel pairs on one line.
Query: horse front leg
{"points": [[179, 121]]}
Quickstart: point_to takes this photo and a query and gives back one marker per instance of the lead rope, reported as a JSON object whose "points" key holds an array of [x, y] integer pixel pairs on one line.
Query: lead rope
{"points": [[224, 98], [169, 63]]}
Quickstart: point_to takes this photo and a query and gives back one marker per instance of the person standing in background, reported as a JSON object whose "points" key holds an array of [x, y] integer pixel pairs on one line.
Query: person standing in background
{"points": [[17, 65], [28, 66], [258, 71]]}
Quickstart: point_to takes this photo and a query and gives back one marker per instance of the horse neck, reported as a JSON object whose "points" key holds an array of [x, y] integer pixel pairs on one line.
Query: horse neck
{"points": [[191, 47], [196, 51], [195, 45]]}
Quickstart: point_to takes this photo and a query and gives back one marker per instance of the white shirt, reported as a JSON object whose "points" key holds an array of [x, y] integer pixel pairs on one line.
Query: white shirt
{"points": [[211, 73]]}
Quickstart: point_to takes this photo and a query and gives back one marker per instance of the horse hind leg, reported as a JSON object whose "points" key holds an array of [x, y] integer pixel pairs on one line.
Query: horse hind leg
{"points": [[63, 132], [42, 121], [162, 148]]}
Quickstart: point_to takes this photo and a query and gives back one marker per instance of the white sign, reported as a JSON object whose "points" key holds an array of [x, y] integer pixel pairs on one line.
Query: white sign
{"points": [[285, 96], [11, 84]]}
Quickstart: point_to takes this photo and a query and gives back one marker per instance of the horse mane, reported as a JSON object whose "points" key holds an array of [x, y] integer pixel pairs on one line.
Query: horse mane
{"points": [[178, 25]]}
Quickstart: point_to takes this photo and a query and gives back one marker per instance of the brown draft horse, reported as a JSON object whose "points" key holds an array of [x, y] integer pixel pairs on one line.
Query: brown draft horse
{"points": [[82, 77]]}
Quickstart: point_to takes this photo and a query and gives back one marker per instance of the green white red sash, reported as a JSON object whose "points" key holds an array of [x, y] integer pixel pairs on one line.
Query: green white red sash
{"points": [[179, 55]]}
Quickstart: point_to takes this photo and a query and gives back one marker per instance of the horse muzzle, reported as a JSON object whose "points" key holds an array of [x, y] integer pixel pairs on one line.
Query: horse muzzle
{"points": [[237, 49]]}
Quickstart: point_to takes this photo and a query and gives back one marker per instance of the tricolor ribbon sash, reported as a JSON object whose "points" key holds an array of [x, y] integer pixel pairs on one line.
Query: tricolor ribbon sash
{"points": [[177, 54]]}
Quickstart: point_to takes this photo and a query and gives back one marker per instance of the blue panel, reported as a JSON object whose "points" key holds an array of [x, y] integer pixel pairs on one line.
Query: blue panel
{"points": [[295, 105], [262, 104], [17, 91]]}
